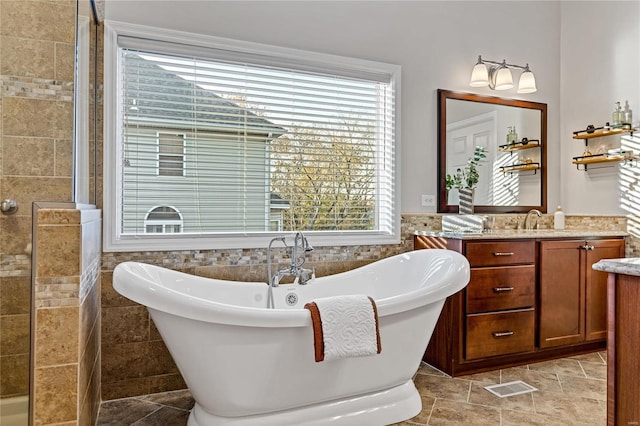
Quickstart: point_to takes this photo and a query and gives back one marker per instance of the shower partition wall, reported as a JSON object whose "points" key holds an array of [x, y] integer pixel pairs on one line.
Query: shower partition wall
{"points": [[36, 133], [37, 162]]}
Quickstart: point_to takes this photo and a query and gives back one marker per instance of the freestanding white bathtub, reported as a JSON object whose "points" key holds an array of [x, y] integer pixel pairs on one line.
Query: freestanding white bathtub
{"points": [[249, 365]]}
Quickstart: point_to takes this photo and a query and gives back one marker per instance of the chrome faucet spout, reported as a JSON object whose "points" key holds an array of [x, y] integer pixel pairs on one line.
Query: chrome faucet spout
{"points": [[527, 219], [298, 260], [295, 269]]}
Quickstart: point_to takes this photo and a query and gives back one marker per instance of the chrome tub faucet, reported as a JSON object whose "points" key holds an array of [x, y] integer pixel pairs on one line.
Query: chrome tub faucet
{"points": [[299, 250]]}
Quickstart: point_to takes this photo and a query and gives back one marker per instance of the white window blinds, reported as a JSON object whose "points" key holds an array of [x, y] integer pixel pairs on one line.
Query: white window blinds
{"points": [[237, 145]]}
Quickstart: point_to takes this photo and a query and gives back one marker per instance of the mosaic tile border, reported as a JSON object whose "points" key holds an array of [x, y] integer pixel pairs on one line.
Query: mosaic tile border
{"points": [[37, 88], [187, 260], [15, 265]]}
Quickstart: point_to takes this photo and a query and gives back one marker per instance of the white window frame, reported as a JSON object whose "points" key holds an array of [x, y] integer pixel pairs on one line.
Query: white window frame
{"points": [[112, 181]]}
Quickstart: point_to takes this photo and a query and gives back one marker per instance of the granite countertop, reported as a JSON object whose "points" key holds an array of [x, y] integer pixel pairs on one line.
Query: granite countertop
{"points": [[626, 266], [521, 233]]}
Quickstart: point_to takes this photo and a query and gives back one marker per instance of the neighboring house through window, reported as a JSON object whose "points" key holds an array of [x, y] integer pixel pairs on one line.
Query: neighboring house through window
{"points": [[163, 220], [243, 140]]}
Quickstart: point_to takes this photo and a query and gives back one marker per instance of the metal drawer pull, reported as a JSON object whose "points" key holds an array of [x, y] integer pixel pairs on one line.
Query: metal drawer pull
{"points": [[502, 289], [502, 333], [503, 253]]}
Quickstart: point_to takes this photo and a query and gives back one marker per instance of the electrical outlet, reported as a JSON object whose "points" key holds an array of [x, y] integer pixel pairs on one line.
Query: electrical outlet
{"points": [[428, 200]]}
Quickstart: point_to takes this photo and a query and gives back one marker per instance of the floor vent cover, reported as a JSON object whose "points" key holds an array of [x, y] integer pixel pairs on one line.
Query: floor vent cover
{"points": [[510, 389]]}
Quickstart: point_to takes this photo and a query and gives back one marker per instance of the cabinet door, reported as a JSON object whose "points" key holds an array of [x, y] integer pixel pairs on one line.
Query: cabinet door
{"points": [[562, 298], [573, 297], [596, 286]]}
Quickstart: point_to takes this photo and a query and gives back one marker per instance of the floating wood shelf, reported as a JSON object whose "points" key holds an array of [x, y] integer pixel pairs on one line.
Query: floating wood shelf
{"points": [[524, 167], [519, 145], [603, 158], [602, 132]]}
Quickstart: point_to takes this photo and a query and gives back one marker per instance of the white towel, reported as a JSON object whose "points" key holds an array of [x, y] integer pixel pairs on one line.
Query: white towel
{"points": [[344, 326]]}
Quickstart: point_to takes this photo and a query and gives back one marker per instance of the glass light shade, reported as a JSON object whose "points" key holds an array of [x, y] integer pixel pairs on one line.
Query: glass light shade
{"points": [[527, 83], [504, 81], [479, 76]]}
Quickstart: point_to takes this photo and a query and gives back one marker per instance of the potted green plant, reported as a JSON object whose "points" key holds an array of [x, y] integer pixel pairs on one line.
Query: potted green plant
{"points": [[466, 179]]}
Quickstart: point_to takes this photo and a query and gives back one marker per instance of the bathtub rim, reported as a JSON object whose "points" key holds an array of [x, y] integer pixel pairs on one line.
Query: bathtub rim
{"points": [[155, 296]]}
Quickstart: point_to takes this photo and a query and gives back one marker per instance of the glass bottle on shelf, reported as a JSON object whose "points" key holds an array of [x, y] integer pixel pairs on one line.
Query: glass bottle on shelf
{"points": [[628, 115], [512, 136], [617, 116]]}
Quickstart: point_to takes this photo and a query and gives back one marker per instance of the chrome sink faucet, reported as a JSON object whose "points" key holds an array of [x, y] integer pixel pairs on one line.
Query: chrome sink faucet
{"points": [[527, 220]]}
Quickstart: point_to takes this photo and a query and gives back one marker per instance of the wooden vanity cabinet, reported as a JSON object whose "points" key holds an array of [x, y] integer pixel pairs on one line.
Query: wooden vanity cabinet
{"points": [[527, 300], [573, 297], [494, 316], [500, 298]]}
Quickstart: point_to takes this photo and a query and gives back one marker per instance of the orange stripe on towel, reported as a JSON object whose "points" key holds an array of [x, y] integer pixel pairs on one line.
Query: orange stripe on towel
{"points": [[375, 316], [318, 336]]}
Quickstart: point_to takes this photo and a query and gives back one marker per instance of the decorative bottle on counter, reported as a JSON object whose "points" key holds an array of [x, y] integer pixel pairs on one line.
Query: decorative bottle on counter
{"points": [[558, 219]]}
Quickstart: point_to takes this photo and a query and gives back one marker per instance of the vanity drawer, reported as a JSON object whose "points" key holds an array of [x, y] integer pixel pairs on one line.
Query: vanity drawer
{"points": [[498, 253], [501, 288], [500, 333]]}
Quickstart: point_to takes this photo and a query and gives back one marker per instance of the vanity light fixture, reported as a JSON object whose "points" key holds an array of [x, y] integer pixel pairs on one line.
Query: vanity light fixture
{"points": [[498, 76]]}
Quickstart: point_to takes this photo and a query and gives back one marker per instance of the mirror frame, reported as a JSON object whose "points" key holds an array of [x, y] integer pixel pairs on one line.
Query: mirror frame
{"points": [[443, 95]]}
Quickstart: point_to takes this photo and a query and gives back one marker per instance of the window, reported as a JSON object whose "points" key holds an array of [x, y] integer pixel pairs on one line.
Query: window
{"points": [[170, 154], [163, 219], [245, 140]]}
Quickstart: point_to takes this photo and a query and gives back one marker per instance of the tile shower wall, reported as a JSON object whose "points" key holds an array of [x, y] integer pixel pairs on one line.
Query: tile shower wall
{"points": [[36, 109], [67, 316], [135, 361]]}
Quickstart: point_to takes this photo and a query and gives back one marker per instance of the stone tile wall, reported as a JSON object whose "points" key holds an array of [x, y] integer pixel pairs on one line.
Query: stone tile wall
{"points": [[36, 127], [66, 357], [36, 130]]}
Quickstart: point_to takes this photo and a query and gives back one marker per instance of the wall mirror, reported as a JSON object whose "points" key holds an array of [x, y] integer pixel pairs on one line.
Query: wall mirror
{"points": [[513, 176]]}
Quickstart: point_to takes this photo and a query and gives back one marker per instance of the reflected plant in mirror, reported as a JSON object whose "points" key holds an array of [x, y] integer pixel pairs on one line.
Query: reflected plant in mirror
{"points": [[505, 183], [467, 177]]}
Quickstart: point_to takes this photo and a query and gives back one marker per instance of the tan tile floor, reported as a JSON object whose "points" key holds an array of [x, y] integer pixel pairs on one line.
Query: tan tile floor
{"points": [[571, 391]]}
